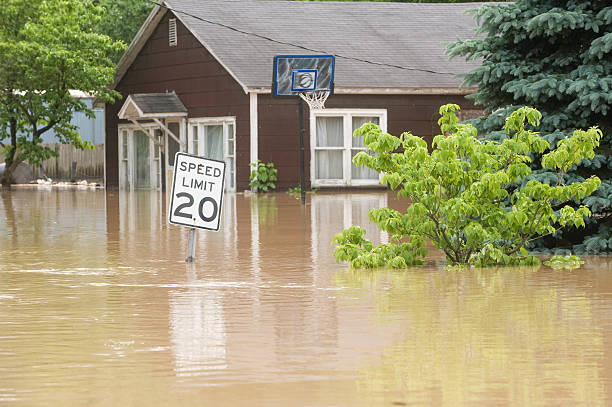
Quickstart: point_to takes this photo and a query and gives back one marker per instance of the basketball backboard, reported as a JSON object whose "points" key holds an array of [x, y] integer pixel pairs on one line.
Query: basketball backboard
{"points": [[295, 74]]}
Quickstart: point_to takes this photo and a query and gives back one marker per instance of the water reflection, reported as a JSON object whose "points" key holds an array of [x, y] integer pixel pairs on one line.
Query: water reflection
{"points": [[332, 213], [98, 307], [493, 336], [197, 328], [47, 223]]}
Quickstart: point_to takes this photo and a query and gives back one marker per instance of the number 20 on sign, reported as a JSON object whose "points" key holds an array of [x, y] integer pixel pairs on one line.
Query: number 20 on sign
{"points": [[197, 192]]}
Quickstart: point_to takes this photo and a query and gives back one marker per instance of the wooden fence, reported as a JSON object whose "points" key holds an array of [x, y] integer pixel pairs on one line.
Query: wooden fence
{"points": [[74, 164]]}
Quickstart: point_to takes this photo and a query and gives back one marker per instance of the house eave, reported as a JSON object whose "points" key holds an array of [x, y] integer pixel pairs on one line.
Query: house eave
{"points": [[150, 24], [212, 52], [138, 43], [340, 90], [404, 91]]}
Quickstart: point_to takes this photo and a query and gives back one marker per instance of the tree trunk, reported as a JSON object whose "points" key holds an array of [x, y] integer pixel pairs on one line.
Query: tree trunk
{"points": [[6, 181], [10, 162]]}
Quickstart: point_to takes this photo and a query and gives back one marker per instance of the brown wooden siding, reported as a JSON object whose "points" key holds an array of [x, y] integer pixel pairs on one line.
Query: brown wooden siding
{"points": [[199, 80], [279, 130]]}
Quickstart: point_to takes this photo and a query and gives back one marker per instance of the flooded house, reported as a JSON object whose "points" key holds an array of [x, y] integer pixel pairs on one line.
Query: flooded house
{"points": [[198, 77]]}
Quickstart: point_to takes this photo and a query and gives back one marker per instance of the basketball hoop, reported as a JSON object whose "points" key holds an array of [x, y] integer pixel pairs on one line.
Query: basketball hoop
{"points": [[311, 77], [315, 99]]}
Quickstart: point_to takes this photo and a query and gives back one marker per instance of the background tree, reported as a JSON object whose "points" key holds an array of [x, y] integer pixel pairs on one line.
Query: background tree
{"points": [[48, 47], [122, 20], [557, 57]]}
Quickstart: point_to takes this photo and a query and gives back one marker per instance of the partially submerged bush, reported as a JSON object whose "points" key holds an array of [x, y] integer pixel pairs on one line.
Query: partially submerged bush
{"points": [[361, 253], [472, 198], [564, 262], [263, 176]]}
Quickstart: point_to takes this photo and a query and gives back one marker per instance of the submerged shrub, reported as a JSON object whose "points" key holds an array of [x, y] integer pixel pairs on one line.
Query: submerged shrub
{"points": [[472, 198], [263, 176]]}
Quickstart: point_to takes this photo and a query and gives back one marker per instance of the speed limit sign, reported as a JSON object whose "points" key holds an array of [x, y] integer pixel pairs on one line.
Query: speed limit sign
{"points": [[197, 192]]}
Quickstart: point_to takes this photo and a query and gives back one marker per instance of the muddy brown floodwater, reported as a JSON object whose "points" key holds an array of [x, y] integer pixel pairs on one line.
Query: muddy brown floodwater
{"points": [[99, 308]]}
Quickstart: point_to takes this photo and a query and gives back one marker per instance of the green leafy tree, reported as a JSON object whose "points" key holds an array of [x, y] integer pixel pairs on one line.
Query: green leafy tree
{"points": [[122, 20], [461, 193], [48, 47], [557, 57]]}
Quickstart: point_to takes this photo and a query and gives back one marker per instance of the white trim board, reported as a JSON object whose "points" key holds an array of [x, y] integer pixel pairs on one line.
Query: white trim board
{"points": [[385, 91], [254, 134]]}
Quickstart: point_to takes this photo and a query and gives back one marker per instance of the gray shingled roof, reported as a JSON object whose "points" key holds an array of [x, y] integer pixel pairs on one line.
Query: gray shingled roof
{"points": [[151, 103], [410, 35]]}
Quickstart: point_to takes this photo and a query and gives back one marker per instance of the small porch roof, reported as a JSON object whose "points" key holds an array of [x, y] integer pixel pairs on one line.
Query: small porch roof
{"points": [[139, 106]]}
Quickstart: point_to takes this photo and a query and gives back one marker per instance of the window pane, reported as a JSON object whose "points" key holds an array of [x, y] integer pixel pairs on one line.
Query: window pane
{"points": [[230, 140], [330, 132], [173, 148], [328, 164], [229, 174], [194, 140], [214, 142], [143, 166], [230, 148], [357, 123], [361, 172], [158, 139], [173, 145], [125, 145]]}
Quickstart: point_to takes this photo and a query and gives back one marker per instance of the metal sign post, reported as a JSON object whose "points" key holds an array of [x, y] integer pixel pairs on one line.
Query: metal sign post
{"points": [[191, 247], [197, 195]]}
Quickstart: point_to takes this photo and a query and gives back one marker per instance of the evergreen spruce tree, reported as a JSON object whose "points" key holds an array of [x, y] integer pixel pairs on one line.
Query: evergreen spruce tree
{"points": [[555, 56]]}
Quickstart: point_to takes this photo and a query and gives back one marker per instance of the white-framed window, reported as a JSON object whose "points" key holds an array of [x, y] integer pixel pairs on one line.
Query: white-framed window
{"points": [[332, 146], [215, 138]]}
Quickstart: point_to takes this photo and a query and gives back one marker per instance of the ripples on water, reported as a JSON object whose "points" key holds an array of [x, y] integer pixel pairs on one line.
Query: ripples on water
{"points": [[98, 307]]}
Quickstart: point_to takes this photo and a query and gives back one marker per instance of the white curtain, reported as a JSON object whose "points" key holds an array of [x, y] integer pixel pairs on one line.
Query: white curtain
{"points": [[357, 123], [330, 133], [214, 142], [359, 172], [328, 164]]}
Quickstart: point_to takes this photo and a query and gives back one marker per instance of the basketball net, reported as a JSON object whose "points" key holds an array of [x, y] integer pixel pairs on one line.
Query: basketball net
{"points": [[315, 99]]}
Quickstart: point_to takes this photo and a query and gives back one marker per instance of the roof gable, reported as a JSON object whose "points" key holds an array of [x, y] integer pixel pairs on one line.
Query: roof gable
{"points": [[378, 46]]}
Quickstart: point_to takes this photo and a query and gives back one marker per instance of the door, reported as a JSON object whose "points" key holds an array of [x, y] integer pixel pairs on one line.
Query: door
{"points": [[140, 155], [143, 160]]}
